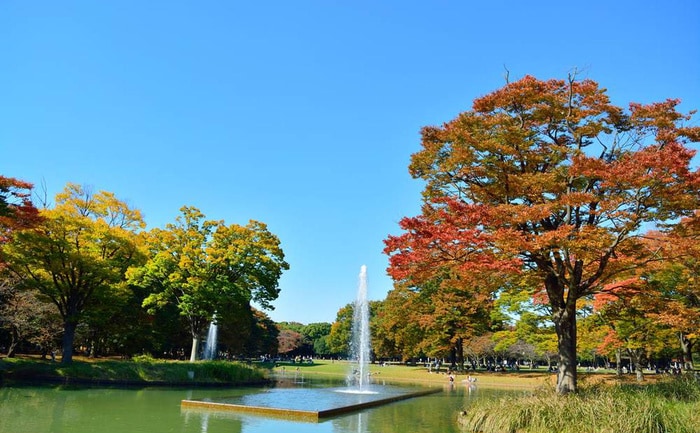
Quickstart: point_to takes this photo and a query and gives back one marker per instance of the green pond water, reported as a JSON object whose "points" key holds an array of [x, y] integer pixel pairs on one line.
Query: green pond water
{"points": [[157, 410]]}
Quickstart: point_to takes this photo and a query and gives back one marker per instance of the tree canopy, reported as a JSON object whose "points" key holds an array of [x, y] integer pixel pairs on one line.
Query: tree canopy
{"points": [[208, 268], [16, 208], [80, 250], [546, 185]]}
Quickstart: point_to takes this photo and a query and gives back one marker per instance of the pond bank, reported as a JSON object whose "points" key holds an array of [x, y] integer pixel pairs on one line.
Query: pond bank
{"points": [[18, 371]]}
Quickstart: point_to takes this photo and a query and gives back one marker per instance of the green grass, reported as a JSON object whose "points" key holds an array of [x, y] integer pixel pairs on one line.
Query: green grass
{"points": [[420, 375], [143, 371], [671, 406]]}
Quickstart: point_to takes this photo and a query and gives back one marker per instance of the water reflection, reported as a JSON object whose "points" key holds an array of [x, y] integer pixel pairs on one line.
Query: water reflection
{"points": [[205, 423], [153, 410]]}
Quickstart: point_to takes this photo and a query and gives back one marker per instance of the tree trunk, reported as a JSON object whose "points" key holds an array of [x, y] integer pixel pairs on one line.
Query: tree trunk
{"points": [[11, 349], [14, 341], [195, 348], [68, 337], [565, 326], [636, 358], [460, 353], [687, 349], [92, 349], [618, 361]]}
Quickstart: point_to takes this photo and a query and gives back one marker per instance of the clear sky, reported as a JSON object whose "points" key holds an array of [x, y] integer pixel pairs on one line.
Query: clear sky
{"points": [[300, 114]]}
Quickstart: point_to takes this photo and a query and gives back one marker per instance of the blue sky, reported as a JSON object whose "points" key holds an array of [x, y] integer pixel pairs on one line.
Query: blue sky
{"points": [[300, 114]]}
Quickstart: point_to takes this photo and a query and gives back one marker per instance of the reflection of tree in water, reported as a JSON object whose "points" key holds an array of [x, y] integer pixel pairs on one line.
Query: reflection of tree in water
{"points": [[57, 413], [105, 410], [25, 409], [214, 421], [205, 422], [101, 410], [355, 423]]}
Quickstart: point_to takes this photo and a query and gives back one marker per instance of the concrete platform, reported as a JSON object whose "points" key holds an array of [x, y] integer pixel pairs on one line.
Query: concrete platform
{"points": [[301, 414]]}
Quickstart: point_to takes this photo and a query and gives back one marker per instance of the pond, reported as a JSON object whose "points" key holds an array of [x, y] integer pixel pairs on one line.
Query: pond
{"points": [[158, 410]]}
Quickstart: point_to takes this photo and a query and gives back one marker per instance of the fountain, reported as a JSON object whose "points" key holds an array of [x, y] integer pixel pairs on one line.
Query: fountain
{"points": [[210, 346], [360, 345], [310, 403]]}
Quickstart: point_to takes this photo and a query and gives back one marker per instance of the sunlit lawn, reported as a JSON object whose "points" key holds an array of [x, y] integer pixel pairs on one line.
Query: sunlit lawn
{"points": [[420, 374]]}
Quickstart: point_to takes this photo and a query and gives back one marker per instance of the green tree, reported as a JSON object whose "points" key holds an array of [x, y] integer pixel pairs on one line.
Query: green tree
{"points": [[535, 329], [246, 332], [263, 336], [548, 182], [317, 334], [297, 327], [117, 324], [80, 251], [340, 336], [444, 316], [206, 267], [398, 332], [531, 315]]}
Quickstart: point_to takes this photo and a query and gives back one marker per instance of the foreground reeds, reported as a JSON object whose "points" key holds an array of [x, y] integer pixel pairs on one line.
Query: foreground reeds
{"points": [[671, 406]]}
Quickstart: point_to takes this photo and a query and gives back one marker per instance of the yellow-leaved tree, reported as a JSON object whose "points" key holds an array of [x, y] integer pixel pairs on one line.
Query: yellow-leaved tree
{"points": [[80, 250]]}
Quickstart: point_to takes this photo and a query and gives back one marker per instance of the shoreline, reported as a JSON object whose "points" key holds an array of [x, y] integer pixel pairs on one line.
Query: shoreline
{"points": [[29, 370]]}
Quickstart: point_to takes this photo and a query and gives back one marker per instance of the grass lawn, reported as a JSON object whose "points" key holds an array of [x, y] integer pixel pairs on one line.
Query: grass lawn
{"points": [[525, 378], [421, 375]]}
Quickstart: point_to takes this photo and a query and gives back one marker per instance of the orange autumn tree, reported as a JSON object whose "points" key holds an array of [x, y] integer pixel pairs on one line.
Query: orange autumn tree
{"points": [[622, 310], [673, 285], [434, 322], [16, 208], [548, 183]]}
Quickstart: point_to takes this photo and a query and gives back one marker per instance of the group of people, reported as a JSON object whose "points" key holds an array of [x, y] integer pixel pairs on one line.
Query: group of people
{"points": [[451, 377]]}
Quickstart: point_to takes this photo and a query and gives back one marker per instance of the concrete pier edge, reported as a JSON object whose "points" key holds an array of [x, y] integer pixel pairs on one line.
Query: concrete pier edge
{"points": [[300, 415]]}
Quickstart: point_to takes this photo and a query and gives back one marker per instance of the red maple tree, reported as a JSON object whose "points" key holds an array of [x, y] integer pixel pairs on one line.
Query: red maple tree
{"points": [[16, 208], [545, 184]]}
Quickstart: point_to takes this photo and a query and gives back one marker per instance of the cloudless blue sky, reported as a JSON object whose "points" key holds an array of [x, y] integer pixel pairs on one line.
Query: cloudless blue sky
{"points": [[300, 114]]}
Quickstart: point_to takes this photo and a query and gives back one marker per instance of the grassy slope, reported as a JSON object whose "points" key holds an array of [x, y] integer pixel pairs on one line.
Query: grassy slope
{"points": [[21, 370]]}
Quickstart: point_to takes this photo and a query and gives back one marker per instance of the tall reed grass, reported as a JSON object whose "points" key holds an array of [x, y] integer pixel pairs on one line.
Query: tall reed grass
{"points": [[671, 406]]}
